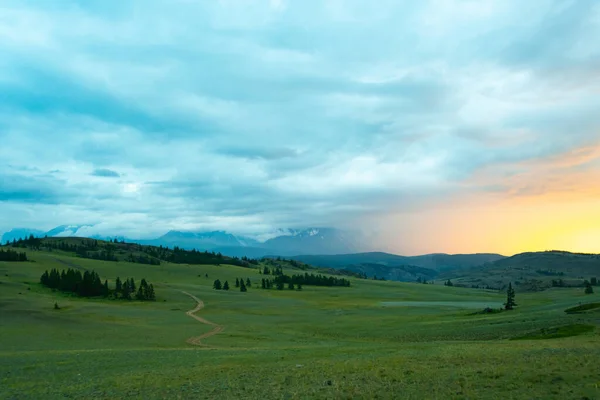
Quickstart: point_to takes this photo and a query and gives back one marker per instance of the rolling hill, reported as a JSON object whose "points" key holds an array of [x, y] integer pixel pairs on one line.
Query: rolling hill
{"points": [[401, 268], [530, 271]]}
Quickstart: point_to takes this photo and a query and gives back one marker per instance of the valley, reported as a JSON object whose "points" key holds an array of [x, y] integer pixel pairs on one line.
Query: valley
{"points": [[374, 338]]}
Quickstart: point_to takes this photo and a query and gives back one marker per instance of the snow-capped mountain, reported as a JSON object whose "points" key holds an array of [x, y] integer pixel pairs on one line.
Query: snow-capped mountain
{"points": [[314, 241], [66, 230], [20, 233]]}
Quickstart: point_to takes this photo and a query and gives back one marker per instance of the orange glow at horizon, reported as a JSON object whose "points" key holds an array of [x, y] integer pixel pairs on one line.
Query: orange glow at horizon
{"points": [[506, 227]]}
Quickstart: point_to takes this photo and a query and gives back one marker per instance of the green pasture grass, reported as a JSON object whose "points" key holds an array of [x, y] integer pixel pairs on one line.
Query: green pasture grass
{"points": [[582, 308], [315, 343], [557, 332]]}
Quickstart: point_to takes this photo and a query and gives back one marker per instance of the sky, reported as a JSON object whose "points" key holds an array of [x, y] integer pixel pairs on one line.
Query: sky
{"points": [[432, 126]]}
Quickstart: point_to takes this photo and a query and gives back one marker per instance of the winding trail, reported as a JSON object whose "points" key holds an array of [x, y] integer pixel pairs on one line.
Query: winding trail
{"points": [[197, 340]]}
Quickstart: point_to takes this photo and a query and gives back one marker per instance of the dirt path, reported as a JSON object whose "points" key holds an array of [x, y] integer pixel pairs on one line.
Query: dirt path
{"points": [[197, 340]]}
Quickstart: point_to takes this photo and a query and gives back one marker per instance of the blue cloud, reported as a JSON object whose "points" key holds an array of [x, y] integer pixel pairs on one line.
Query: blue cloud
{"points": [[254, 115], [106, 173]]}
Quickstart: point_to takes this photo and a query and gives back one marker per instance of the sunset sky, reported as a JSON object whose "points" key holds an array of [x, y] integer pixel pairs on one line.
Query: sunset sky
{"points": [[430, 126]]}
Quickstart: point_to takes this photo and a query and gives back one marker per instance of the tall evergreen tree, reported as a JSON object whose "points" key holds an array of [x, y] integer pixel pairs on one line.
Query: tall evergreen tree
{"points": [[510, 298], [242, 286], [291, 285], [588, 288], [217, 285], [248, 283], [226, 286], [237, 282]]}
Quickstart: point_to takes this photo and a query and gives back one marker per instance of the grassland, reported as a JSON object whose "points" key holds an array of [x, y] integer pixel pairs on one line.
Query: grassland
{"points": [[373, 340]]}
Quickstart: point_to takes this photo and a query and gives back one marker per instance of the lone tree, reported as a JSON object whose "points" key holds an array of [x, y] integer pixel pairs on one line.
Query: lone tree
{"points": [[588, 288], [510, 298], [226, 286], [217, 285], [242, 286]]}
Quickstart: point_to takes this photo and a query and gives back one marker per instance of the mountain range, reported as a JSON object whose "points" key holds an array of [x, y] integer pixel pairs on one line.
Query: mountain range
{"points": [[288, 242]]}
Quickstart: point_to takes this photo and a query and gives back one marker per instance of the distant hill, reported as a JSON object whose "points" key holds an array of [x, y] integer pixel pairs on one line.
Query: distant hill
{"points": [[530, 271], [396, 267]]}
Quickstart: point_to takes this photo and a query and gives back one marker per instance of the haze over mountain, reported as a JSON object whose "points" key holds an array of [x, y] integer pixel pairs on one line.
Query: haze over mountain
{"points": [[287, 242]]}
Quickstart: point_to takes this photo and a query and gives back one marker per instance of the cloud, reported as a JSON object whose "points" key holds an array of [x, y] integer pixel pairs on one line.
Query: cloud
{"points": [[105, 173], [248, 116]]}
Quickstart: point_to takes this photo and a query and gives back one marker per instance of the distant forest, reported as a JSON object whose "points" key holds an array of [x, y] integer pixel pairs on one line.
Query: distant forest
{"points": [[11, 255], [131, 252]]}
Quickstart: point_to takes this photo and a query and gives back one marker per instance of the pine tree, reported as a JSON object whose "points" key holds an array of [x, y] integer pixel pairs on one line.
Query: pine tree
{"points": [[299, 286], [118, 286], [226, 286], [588, 288], [291, 285], [248, 283], [242, 286], [217, 285], [510, 298], [237, 282], [263, 283]]}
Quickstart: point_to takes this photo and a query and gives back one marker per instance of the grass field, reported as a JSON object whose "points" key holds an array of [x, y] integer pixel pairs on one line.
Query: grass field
{"points": [[373, 340]]}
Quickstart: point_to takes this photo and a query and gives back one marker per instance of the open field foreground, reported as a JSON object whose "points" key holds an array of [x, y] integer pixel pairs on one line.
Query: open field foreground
{"points": [[374, 339]]}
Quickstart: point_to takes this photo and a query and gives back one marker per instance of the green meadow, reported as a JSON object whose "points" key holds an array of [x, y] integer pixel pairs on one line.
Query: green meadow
{"points": [[375, 339]]}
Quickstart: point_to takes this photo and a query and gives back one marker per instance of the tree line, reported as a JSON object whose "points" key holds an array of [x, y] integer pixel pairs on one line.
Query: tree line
{"points": [[306, 279], [12, 255], [89, 284], [239, 283]]}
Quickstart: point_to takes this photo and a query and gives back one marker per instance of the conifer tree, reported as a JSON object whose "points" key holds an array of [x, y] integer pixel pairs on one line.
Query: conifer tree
{"points": [[299, 286], [291, 285], [248, 283], [217, 285], [237, 282], [510, 298], [242, 286], [263, 283], [588, 288], [226, 286], [118, 286]]}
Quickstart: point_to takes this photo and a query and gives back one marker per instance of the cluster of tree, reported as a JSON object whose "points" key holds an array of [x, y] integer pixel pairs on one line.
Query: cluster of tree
{"points": [[12, 255], [448, 283], [31, 242], [550, 272], [558, 283], [588, 287], [126, 289], [375, 278], [276, 270], [306, 279], [104, 255], [239, 283], [423, 281], [143, 259], [279, 284], [87, 284]]}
